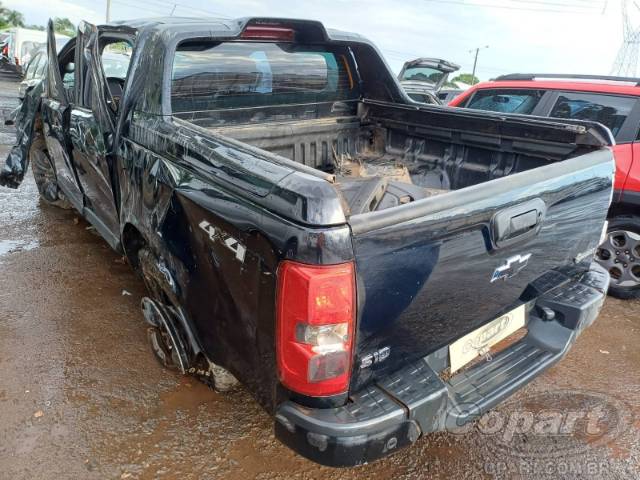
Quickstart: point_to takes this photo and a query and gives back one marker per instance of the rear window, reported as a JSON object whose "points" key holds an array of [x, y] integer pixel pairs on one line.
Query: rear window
{"points": [[609, 110], [218, 81], [506, 101], [423, 74]]}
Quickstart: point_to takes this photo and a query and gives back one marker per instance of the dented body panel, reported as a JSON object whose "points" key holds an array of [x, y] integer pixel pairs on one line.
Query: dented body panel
{"points": [[207, 219]]}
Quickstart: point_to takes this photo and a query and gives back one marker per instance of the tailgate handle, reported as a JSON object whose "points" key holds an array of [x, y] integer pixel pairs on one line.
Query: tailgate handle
{"points": [[518, 223]]}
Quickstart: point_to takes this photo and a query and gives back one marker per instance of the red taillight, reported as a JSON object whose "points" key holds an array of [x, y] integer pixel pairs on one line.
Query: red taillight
{"points": [[17, 60], [265, 32], [5, 50], [315, 327]]}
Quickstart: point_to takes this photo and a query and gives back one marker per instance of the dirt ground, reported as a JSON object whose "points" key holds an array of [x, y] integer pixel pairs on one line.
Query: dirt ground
{"points": [[82, 397]]}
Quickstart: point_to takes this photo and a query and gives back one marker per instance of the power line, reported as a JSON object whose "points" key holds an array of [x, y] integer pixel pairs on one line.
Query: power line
{"points": [[590, 10], [561, 4], [170, 4], [129, 4]]}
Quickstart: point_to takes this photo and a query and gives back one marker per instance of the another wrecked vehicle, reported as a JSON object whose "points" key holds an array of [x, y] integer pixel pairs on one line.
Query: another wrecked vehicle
{"points": [[423, 78], [352, 257]]}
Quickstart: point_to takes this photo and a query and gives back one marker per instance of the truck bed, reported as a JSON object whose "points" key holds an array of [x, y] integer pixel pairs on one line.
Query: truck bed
{"points": [[381, 163]]}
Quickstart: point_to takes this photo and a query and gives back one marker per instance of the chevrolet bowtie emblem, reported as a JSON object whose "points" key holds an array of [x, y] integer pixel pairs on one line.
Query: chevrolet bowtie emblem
{"points": [[510, 267]]}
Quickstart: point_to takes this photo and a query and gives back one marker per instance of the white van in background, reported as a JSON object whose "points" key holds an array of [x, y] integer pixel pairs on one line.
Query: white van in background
{"points": [[21, 42]]}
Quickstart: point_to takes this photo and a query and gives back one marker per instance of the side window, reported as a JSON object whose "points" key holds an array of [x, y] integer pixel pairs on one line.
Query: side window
{"points": [[506, 100], [609, 110], [67, 70], [41, 69], [32, 67], [115, 59]]}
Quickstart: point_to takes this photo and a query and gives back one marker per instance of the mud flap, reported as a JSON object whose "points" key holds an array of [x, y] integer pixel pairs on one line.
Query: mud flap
{"points": [[17, 162]]}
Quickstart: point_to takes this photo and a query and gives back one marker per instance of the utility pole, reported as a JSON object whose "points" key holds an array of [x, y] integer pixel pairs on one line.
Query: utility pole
{"points": [[475, 62], [108, 10]]}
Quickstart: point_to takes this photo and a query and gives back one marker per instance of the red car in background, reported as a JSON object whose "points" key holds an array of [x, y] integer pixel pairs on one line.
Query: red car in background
{"points": [[611, 101]]}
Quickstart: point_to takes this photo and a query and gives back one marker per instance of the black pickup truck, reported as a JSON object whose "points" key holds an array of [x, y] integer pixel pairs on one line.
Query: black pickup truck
{"points": [[370, 269]]}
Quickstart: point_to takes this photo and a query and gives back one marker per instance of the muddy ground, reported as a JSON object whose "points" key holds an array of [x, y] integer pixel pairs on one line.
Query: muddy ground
{"points": [[82, 397]]}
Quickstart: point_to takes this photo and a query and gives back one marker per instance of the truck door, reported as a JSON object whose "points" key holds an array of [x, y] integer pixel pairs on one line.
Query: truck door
{"points": [[59, 94], [92, 126]]}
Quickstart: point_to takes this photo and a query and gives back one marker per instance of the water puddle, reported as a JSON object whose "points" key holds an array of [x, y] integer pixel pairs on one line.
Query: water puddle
{"points": [[13, 246]]}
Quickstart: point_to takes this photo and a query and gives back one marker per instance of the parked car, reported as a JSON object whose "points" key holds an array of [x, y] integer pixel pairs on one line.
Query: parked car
{"points": [[21, 42], [300, 224], [4, 47], [611, 101], [445, 95], [34, 73], [423, 78]]}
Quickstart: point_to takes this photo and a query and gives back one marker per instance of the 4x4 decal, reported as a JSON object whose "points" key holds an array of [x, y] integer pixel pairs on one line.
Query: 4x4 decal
{"points": [[227, 240]]}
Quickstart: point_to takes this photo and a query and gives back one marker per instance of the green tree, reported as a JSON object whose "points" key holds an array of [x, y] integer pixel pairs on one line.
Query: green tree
{"points": [[466, 78], [64, 26], [10, 18]]}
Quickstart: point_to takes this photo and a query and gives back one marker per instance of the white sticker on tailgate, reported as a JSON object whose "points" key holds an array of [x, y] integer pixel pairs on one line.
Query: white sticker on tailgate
{"points": [[478, 342]]}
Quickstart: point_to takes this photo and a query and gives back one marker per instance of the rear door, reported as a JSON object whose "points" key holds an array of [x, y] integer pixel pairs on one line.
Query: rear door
{"points": [[91, 133], [59, 95]]}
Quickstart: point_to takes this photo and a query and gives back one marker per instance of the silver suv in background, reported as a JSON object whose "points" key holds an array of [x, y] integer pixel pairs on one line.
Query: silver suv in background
{"points": [[423, 78]]}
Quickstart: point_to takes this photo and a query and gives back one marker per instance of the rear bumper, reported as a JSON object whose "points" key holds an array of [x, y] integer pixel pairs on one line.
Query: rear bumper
{"points": [[398, 409]]}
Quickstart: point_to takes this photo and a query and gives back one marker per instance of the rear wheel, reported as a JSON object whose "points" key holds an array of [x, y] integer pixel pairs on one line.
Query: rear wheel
{"points": [[166, 333], [45, 175], [163, 348], [620, 255]]}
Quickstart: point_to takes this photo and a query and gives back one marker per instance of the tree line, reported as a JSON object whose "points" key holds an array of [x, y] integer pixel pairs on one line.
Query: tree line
{"points": [[13, 18]]}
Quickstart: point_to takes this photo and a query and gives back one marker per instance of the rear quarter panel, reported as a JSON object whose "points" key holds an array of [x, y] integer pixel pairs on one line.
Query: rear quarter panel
{"points": [[221, 247]]}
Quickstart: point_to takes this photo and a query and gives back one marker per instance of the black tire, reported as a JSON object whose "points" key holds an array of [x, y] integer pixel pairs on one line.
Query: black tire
{"points": [[620, 255], [45, 175]]}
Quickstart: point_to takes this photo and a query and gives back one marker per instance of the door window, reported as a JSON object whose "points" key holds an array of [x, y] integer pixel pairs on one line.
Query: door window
{"points": [[609, 110], [116, 57], [34, 64], [41, 68], [506, 100], [68, 78], [68, 74]]}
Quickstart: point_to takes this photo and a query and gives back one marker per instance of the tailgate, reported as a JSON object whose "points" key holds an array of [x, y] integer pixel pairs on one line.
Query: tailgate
{"points": [[435, 270]]}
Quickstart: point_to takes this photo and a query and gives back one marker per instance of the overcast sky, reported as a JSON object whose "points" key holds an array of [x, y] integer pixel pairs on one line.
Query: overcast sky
{"points": [[563, 36]]}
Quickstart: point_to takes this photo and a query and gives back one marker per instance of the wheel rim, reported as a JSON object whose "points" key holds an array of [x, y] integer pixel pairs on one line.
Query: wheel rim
{"points": [[620, 255], [162, 347]]}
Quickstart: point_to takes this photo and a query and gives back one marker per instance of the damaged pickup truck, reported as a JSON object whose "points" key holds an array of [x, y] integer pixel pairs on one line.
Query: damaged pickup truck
{"points": [[371, 269]]}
